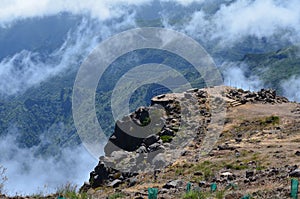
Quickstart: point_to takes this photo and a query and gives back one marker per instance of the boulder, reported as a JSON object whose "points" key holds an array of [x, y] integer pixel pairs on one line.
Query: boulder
{"points": [[154, 147], [140, 115], [227, 175], [192, 90], [163, 190], [115, 183], [295, 173], [151, 139], [225, 147], [119, 155], [173, 184], [132, 182], [201, 94], [142, 149], [123, 137], [188, 95], [203, 184], [99, 175], [161, 96], [249, 174], [198, 173], [168, 132]]}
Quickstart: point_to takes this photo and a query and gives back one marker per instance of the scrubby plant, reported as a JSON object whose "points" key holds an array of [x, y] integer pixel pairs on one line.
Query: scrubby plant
{"points": [[179, 171], [236, 166], [146, 121], [206, 168], [166, 138], [116, 195], [270, 120], [220, 194], [70, 191]]}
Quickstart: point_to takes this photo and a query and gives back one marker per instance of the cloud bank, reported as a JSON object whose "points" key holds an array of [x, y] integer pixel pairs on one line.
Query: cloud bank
{"points": [[27, 69], [44, 175], [235, 21], [291, 88], [12, 10], [235, 76], [184, 2]]}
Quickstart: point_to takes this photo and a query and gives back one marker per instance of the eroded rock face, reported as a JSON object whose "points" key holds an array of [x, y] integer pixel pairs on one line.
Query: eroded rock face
{"points": [[141, 139], [134, 130], [105, 175], [121, 139]]}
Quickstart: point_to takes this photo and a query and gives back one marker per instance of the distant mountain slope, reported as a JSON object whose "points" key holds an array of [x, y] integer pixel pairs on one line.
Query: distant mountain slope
{"points": [[46, 109], [48, 106], [39, 34], [274, 67]]}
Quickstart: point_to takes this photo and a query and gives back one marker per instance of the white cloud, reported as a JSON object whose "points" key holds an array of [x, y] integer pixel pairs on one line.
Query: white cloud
{"points": [[228, 25], [27, 69], [231, 22], [234, 75], [291, 88], [184, 2], [30, 174], [101, 9], [244, 18]]}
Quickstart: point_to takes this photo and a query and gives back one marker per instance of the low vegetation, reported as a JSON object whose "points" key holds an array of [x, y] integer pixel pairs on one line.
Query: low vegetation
{"points": [[203, 195], [116, 195], [270, 120], [194, 195], [166, 138], [70, 191]]}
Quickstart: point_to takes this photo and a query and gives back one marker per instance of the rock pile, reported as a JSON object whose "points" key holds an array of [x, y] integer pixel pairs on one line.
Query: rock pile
{"points": [[262, 96]]}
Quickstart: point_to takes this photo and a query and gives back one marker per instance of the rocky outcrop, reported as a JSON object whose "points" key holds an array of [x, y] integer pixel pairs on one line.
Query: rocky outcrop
{"points": [[146, 141], [140, 140]]}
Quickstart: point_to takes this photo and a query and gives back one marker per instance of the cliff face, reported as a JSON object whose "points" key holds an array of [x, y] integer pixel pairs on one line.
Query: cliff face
{"points": [[219, 134]]}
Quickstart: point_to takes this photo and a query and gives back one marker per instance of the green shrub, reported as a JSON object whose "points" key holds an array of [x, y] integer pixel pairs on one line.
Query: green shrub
{"points": [[270, 120], [166, 138], [236, 166], [220, 194], [206, 168], [70, 191], [146, 121], [195, 195], [116, 195], [179, 171]]}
